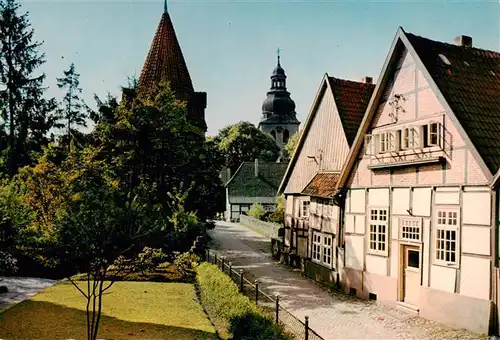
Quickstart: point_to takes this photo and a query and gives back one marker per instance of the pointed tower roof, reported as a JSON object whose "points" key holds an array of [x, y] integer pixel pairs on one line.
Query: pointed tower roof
{"points": [[165, 61]]}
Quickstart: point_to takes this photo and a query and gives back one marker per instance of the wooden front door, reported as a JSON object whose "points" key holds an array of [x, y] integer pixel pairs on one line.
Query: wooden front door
{"points": [[411, 274]]}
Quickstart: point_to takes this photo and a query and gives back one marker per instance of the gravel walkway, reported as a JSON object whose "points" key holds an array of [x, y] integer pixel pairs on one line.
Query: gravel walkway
{"points": [[332, 315], [20, 289]]}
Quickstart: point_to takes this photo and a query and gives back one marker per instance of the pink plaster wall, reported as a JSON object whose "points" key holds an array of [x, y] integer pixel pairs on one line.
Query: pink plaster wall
{"points": [[421, 105]]}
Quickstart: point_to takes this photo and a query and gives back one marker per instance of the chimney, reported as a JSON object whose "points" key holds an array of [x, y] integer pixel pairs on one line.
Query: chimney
{"points": [[367, 80], [256, 167], [463, 40]]}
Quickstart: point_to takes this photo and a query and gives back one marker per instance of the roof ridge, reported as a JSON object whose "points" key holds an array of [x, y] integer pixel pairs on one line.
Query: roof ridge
{"points": [[351, 81], [447, 44]]}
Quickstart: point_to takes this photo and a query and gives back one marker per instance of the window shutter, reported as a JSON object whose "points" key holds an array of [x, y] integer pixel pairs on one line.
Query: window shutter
{"points": [[420, 138], [369, 145], [396, 140], [376, 144]]}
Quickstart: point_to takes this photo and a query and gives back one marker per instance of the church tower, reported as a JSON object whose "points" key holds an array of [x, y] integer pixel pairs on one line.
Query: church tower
{"points": [[279, 118], [166, 62]]}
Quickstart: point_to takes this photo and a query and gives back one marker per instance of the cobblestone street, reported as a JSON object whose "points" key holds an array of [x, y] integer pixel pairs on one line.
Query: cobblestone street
{"points": [[333, 315]]}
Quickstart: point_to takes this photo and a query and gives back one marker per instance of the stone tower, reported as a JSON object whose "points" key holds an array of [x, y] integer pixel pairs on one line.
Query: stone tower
{"points": [[166, 62], [279, 118]]}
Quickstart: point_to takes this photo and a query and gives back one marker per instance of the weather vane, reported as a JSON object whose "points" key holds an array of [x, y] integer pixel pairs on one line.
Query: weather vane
{"points": [[278, 53]]}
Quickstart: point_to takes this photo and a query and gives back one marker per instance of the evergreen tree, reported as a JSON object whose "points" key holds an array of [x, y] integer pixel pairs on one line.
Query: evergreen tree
{"points": [[27, 116], [72, 109]]}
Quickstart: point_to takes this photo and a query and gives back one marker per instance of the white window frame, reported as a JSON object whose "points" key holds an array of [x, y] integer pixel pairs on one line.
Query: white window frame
{"points": [[327, 250], [322, 249], [316, 247], [304, 212], [410, 229], [429, 136], [388, 141], [378, 230], [411, 138], [444, 227]]}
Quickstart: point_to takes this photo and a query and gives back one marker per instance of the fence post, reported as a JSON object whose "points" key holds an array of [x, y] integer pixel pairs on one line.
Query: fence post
{"points": [[307, 328], [256, 292], [222, 264], [277, 308], [208, 254], [241, 280], [230, 269], [215, 259]]}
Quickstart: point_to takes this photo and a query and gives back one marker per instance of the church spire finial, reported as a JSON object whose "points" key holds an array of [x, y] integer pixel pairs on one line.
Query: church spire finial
{"points": [[165, 7], [278, 54]]}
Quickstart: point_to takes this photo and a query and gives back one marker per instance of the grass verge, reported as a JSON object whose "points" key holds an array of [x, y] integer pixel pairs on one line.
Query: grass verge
{"points": [[232, 313], [131, 310]]}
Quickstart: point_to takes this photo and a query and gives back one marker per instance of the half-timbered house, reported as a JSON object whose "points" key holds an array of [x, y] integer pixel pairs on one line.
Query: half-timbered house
{"points": [[323, 146], [421, 210]]}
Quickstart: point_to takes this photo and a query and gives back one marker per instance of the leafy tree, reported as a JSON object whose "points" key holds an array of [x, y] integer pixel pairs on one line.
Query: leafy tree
{"points": [[290, 147], [257, 211], [243, 142], [105, 109], [154, 148], [72, 106], [100, 225], [278, 216], [27, 116]]}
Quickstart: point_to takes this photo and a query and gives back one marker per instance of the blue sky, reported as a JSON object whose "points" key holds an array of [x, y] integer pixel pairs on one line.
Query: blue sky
{"points": [[230, 46]]}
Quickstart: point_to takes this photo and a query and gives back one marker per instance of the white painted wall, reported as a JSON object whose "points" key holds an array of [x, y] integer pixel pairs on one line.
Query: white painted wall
{"points": [[477, 208], [400, 201], [475, 277], [421, 205], [378, 197], [354, 251], [357, 200], [443, 278]]}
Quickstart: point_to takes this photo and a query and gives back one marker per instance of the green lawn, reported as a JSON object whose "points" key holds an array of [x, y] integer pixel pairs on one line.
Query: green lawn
{"points": [[131, 310]]}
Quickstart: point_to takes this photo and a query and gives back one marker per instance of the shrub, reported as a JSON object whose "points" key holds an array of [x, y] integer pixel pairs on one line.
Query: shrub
{"points": [[233, 313], [8, 263], [186, 262], [278, 216], [257, 211], [149, 259]]}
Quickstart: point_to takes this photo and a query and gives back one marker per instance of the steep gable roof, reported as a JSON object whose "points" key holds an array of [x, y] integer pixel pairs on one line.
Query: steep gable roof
{"points": [[245, 184], [351, 99], [165, 61], [323, 184], [466, 88], [471, 86]]}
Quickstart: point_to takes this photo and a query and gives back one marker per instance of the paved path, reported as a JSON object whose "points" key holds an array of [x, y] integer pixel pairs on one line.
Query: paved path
{"points": [[332, 314], [20, 289]]}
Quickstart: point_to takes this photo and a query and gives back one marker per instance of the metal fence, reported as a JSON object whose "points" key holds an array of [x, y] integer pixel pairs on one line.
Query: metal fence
{"points": [[300, 330]]}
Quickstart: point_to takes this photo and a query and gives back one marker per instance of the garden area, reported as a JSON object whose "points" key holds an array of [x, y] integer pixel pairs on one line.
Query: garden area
{"points": [[143, 299], [131, 310]]}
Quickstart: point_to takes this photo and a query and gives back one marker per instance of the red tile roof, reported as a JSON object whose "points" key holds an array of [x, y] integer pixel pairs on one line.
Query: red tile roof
{"points": [[471, 86], [322, 185], [352, 99], [165, 61]]}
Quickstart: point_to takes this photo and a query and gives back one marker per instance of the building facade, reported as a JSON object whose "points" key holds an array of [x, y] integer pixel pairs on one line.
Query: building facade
{"points": [[279, 118], [323, 147], [420, 211], [253, 182]]}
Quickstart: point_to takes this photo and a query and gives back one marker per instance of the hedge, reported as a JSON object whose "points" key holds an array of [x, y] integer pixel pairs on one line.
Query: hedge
{"points": [[233, 314]]}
